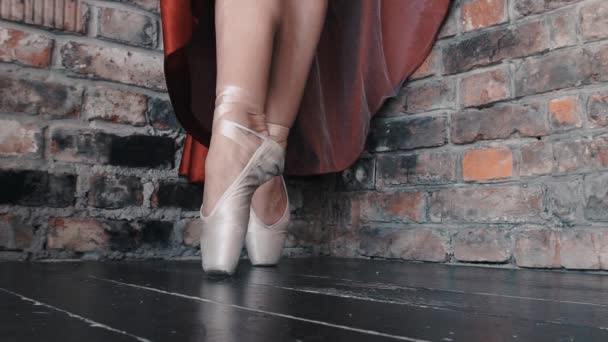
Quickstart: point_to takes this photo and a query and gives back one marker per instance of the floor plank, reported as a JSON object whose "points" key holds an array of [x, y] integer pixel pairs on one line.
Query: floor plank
{"points": [[337, 299], [25, 320]]}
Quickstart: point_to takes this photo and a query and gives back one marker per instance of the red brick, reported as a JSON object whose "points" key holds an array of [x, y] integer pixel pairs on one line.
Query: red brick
{"points": [[127, 27], [192, 233], [536, 159], [450, 25], [594, 21], [428, 66], [482, 245], [18, 139], [39, 97], [422, 168], [409, 244], [25, 48], [487, 163], [115, 105], [77, 234], [114, 64], [538, 248], [498, 122], [485, 87], [66, 15], [478, 14], [597, 109], [564, 113], [428, 95], [391, 207], [493, 45], [486, 204]]}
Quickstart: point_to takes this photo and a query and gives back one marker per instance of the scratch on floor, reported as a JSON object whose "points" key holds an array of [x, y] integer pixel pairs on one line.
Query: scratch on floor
{"points": [[364, 331], [91, 322]]}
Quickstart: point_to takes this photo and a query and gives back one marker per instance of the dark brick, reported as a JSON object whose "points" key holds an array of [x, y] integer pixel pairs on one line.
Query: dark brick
{"points": [[596, 65], [142, 151], [527, 7], [113, 192], [597, 109], [96, 147], [187, 196], [156, 234], [407, 133], [161, 115], [36, 188], [428, 95], [596, 192], [498, 122], [422, 168], [359, 176], [389, 207], [565, 200], [20, 139], [39, 97], [80, 145], [122, 236], [556, 70], [492, 46], [127, 27], [14, 234]]}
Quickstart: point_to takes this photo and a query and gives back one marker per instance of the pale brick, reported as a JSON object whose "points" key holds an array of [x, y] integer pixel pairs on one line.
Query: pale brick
{"points": [[409, 244], [25, 48], [482, 245], [597, 109], [536, 159], [192, 233], [128, 27], [594, 21], [538, 248], [115, 105], [486, 204], [77, 234], [114, 64], [18, 139], [596, 196]]}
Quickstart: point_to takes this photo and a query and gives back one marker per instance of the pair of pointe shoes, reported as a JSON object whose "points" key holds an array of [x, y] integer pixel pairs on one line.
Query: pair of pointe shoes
{"points": [[232, 222]]}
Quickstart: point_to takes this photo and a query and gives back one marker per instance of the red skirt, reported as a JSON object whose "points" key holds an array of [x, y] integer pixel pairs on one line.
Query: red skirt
{"points": [[366, 51]]}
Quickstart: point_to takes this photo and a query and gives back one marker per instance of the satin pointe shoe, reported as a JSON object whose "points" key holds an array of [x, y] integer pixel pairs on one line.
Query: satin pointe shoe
{"points": [[224, 228], [264, 242]]}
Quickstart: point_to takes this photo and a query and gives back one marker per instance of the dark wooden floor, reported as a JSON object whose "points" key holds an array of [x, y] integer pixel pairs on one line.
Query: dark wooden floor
{"points": [[301, 300]]}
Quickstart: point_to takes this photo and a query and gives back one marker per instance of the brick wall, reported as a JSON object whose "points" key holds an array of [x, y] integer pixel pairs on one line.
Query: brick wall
{"points": [[496, 151], [89, 145]]}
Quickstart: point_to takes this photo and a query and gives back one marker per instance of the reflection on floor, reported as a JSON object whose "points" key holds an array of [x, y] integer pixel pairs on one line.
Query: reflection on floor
{"points": [[320, 299]]}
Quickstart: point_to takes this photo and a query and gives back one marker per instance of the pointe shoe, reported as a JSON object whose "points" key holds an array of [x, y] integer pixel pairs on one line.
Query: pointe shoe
{"points": [[264, 242], [224, 228]]}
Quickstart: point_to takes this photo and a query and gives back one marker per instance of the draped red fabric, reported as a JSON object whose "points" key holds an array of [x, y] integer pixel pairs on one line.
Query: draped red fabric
{"points": [[366, 51]]}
